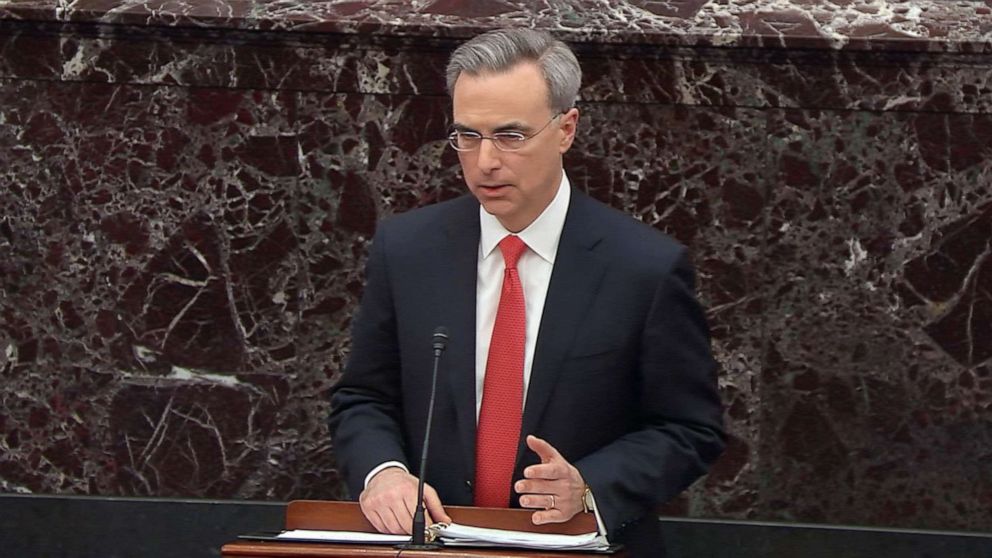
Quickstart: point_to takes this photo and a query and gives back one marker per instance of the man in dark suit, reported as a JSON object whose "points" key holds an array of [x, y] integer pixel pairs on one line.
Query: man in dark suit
{"points": [[578, 377]]}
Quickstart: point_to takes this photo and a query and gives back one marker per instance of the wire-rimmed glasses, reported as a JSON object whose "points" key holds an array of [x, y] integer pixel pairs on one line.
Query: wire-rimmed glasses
{"points": [[468, 140]]}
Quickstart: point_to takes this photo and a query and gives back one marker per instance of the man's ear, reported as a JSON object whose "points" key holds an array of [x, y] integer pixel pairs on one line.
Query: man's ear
{"points": [[569, 124]]}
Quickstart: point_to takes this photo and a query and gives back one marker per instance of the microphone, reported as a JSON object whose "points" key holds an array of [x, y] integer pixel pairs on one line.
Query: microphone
{"points": [[418, 541]]}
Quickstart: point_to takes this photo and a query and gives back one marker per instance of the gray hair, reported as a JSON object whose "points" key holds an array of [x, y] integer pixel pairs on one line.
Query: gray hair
{"points": [[498, 51]]}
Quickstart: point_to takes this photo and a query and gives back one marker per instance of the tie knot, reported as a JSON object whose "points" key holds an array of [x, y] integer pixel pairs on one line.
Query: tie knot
{"points": [[511, 247]]}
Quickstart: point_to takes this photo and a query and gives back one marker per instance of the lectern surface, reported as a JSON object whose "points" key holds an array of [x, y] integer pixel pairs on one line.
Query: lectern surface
{"points": [[245, 549], [310, 514]]}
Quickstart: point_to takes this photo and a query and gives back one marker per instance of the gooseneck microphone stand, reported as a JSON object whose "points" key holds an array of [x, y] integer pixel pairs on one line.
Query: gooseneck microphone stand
{"points": [[418, 540]]}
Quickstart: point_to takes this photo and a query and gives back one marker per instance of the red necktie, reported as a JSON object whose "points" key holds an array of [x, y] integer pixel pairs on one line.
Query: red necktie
{"points": [[503, 391]]}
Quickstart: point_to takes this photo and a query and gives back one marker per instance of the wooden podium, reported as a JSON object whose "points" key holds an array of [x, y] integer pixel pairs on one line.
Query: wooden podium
{"points": [[347, 516]]}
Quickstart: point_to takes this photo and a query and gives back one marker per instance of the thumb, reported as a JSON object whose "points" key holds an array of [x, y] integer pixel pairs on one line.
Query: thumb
{"points": [[544, 450], [433, 503]]}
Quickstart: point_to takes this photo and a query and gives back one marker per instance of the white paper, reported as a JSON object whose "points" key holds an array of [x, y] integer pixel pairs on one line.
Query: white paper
{"points": [[343, 536]]}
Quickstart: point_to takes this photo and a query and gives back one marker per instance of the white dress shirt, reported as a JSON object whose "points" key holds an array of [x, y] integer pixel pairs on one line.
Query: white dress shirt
{"points": [[534, 268]]}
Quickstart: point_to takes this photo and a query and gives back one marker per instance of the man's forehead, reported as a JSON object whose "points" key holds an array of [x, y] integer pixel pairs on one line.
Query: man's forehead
{"points": [[521, 80], [515, 116], [499, 100]]}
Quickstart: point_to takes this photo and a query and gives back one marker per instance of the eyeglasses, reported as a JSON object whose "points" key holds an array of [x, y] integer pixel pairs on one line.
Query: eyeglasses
{"points": [[464, 140]]}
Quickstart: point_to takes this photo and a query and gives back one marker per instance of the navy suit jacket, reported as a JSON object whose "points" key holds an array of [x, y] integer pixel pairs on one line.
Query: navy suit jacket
{"points": [[623, 383]]}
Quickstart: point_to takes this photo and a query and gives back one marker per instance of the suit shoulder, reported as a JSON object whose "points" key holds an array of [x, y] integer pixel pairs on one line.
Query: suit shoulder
{"points": [[413, 223], [633, 240]]}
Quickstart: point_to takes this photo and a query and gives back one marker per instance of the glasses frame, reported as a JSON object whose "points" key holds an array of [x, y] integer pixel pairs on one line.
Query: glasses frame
{"points": [[518, 137]]}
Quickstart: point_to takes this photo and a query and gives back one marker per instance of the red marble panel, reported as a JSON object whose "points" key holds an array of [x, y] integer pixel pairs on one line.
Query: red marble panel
{"points": [[872, 409]]}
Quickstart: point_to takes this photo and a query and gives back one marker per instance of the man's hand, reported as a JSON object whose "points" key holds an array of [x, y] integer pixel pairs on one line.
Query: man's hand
{"points": [[554, 486], [389, 502]]}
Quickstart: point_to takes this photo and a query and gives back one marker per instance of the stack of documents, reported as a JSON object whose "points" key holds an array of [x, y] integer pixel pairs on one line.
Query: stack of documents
{"points": [[453, 534], [342, 537]]}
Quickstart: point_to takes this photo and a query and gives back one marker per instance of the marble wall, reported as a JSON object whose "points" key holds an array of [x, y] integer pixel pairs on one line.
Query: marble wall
{"points": [[187, 197]]}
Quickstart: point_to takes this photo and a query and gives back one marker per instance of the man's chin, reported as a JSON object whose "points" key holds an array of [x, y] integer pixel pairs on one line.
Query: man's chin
{"points": [[489, 196], [495, 207]]}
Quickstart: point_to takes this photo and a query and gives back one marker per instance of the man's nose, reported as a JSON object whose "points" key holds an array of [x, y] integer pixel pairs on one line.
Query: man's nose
{"points": [[489, 156]]}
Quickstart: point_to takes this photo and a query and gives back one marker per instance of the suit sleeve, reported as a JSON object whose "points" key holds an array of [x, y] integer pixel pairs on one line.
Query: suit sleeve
{"points": [[681, 427], [365, 403]]}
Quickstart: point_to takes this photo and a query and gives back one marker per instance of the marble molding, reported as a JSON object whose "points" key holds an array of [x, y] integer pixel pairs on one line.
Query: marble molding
{"points": [[929, 25], [187, 197]]}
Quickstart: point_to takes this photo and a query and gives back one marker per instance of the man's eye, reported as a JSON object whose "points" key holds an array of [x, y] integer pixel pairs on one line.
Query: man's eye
{"points": [[510, 136]]}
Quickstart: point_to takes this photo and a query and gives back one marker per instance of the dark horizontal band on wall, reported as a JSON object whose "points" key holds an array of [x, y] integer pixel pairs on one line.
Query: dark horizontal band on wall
{"points": [[81, 526]]}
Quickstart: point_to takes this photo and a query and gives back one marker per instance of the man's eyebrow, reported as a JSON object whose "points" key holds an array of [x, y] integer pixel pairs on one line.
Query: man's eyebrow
{"points": [[512, 126]]}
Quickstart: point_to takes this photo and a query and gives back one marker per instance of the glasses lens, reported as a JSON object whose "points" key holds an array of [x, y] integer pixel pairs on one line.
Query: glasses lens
{"points": [[464, 141], [509, 142]]}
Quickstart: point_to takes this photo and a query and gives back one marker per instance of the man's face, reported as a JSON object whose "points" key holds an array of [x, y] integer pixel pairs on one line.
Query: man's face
{"points": [[516, 186]]}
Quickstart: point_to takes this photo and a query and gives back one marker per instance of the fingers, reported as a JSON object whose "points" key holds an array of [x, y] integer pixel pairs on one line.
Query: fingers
{"points": [[553, 487], [387, 515], [386, 518], [388, 501], [547, 472], [434, 508], [387, 521], [550, 516], [539, 501], [551, 508]]}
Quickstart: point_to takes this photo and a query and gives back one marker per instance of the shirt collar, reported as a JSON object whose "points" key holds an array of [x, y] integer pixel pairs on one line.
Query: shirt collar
{"points": [[541, 236]]}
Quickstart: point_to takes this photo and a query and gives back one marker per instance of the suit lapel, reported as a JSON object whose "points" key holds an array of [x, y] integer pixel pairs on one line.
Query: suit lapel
{"points": [[456, 301], [575, 279]]}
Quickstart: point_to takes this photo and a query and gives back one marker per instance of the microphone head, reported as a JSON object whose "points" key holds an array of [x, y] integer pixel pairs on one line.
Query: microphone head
{"points": [[440, 338]]}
